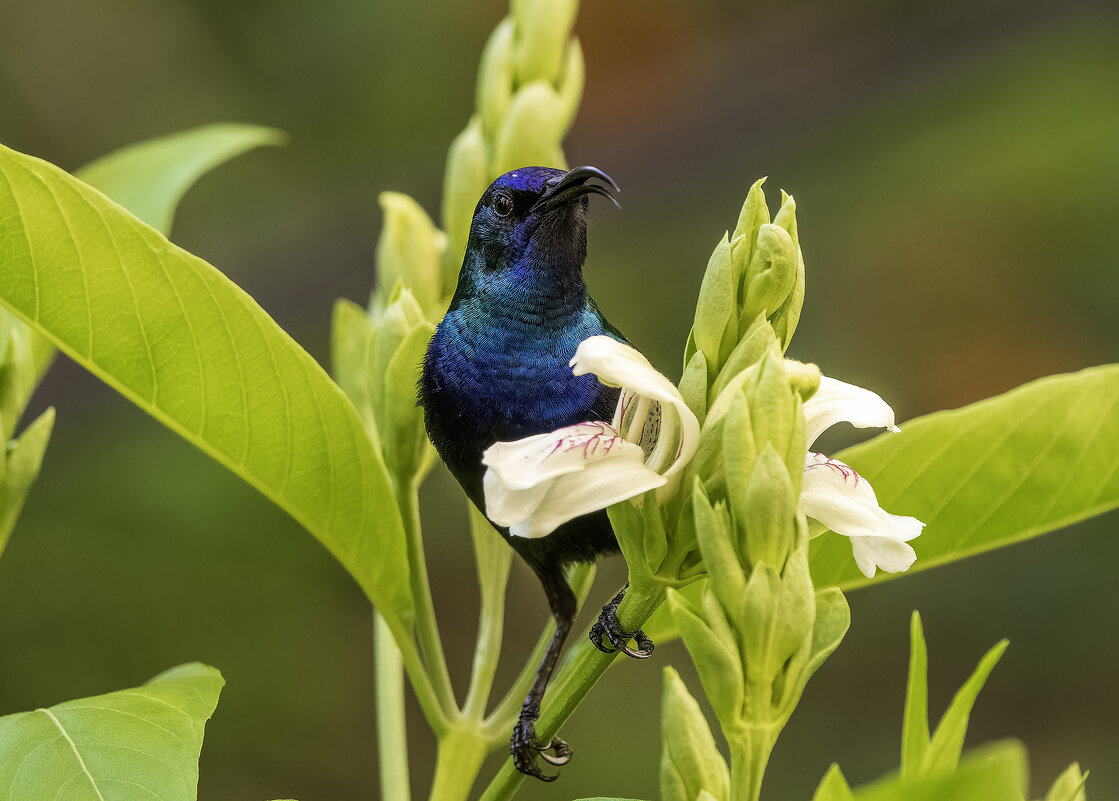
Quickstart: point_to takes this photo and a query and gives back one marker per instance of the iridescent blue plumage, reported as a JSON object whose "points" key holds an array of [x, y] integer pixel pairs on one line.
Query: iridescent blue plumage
{"points": [[497, 369]]}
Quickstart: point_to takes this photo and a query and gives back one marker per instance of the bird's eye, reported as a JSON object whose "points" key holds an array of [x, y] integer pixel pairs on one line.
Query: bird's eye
{"points": [[502, 204]]}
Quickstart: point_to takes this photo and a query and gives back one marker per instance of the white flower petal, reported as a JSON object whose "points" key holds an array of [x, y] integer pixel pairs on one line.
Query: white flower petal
{"points": [[890, 555], [838, 497], [572, 495], [836, 401], [619, 365], [527, 462]]}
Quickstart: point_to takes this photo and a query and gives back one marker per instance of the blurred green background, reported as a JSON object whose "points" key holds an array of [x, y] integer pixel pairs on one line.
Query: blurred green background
{"points": [[955, 166]]}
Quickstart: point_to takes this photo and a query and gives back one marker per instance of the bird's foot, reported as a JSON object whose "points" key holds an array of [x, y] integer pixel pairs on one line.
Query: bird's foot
{"points": [[608, 628], [525, 749]]}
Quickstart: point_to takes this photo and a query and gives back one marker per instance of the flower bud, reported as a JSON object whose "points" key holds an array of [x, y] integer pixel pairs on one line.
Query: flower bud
{"points": [[531, 131], [409, 250], [465, 181], [543, 27], [710, 641], [690, 762], [715, 309], [377, 363], [571, 82], [495, 77]]}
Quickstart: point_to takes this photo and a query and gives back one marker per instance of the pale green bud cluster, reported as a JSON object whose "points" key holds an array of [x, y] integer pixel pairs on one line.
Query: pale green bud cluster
{"points": [[751, 296], [530, 83], [24, 357], [376, 362], [760, 629], [754, 545]]}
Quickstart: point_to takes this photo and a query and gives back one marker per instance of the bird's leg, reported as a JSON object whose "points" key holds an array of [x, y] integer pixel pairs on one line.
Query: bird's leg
{"points": [[607, 626], [523, 744]]}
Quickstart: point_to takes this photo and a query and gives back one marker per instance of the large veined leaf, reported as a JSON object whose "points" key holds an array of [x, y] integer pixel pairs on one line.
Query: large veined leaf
{"points": [[151, 177], [1009, 468], [176, 337], [133, 745]]}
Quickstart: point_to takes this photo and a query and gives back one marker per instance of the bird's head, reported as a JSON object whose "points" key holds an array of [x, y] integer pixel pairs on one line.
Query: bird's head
{"points": [[532, 222]]}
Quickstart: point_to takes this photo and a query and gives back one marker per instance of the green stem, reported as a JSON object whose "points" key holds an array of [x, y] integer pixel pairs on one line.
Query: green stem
{"points": [[749, 754], [427, 630], [582, 669], [392, 740], [499, 722], [461, 752]]}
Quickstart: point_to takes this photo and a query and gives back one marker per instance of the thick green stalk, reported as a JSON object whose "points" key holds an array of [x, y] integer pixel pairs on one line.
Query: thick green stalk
{"points": [[392, 737], [582, 669], [500, 721], [749, 755], [461, 752], [431, 646]]}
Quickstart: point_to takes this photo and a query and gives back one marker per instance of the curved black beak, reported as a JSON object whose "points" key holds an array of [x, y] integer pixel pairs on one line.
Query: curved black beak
{"points": [[573, 184]]}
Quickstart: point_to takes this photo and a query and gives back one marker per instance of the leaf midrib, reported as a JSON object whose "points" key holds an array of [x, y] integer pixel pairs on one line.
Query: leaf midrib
{"points": [[74, 748]]}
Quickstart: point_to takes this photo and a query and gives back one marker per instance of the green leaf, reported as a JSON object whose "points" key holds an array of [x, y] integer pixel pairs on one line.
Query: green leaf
{"points": [[915, 723], [1003, 470], [176, 337], [948, 739], [993, 773], [150, 178], [132, 745]]}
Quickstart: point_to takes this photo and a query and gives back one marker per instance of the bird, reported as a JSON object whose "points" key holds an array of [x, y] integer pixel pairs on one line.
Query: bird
{"points": [[497, 369]]}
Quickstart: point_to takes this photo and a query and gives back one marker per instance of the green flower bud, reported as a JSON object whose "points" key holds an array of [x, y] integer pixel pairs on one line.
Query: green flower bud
{"points": [[833, 787], [495, 78], [571, 83], [709, 639], [377, 363], [715, 309], [758, 340], [409, 251], [714, 531], [543, 27], [690, 762], [771, 274], [765, 514], [693, 385], [531, 131], [1069, 786], [466, 179], [753, 215]]}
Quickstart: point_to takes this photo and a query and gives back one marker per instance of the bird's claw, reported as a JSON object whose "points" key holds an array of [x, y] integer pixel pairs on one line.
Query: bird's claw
{"points": [[608, 628], [525, 749]]}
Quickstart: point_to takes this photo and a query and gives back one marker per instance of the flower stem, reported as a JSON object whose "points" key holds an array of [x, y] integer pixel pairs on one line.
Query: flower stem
{"points": [[392, 740], [499, 722], [431, 646], [584, 666], [461, 752], [749, 755]]}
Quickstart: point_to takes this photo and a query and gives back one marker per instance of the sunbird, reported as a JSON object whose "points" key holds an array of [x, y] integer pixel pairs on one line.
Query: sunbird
{"points": [[497, 370]]}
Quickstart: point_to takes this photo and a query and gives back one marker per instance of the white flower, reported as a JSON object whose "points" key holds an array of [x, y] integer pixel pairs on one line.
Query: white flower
{"points": [[536, 484], [839, 498]]}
